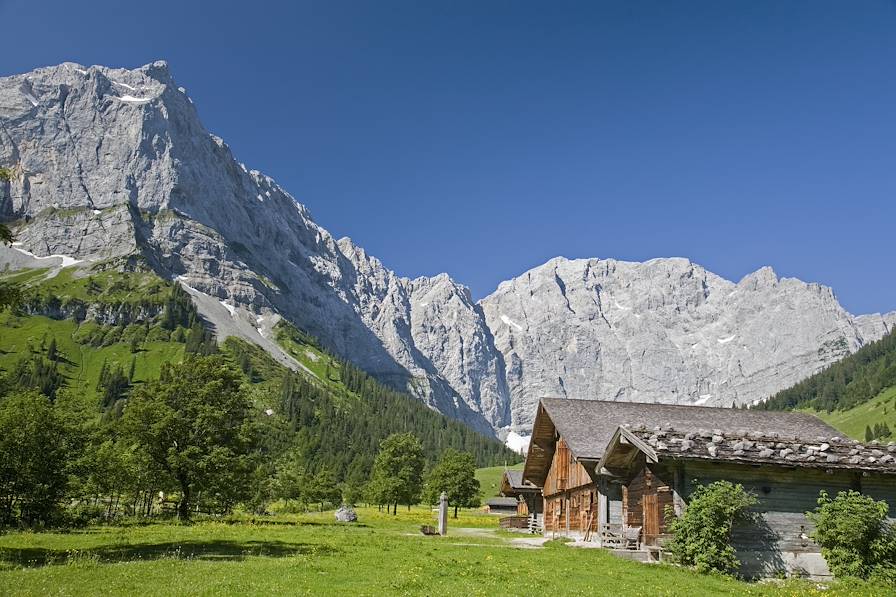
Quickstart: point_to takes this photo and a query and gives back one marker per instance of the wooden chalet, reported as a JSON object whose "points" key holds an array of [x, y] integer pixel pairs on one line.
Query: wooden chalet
{"points": [[608, 469], [527, 494], [657, 469]]}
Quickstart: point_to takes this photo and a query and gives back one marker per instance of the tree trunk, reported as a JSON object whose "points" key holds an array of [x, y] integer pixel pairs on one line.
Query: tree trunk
{"points": [[183, 508], [455, 512], [395, 509]]}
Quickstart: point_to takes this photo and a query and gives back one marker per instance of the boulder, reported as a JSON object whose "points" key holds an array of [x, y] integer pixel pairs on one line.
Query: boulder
{"points": [[346, 514]]}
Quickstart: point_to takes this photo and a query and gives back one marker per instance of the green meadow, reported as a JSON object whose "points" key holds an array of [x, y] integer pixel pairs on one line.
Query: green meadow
{"points": [[311, 554], [852, 422], [490, 478]]}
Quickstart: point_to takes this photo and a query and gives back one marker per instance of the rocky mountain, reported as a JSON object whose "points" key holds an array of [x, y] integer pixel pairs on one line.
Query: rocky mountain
{"points": [[665, 330], [115, 164]]}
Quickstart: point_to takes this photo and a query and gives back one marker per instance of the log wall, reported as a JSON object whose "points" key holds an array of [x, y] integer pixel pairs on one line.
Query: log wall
{"points": [[570, 496], [779, 540]]}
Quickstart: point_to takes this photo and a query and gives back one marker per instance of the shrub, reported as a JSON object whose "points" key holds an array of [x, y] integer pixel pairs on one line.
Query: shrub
{"points": [[855, 538], [702, 535]]}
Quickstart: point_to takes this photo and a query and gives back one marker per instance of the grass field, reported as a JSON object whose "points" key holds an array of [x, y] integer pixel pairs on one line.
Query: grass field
{"points": [[852, 422], [490, 479], [312, 555]]}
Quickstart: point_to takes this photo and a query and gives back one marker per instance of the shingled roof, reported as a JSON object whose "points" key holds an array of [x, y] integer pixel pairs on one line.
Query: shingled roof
{"points": [[664, 442], [587, 426], [501, 502], [512, 483]]}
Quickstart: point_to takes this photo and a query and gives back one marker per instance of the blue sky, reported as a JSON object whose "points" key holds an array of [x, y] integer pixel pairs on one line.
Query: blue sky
{"points": [[482, 138]]}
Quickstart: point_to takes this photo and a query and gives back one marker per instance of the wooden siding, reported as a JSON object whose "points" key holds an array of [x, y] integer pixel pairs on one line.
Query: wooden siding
{"points": [[778, 540], [571, 511], [644, 503], [570, 496], [565, 472]]}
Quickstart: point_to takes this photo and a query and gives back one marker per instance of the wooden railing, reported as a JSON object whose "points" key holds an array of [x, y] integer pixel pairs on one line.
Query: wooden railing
{"points": [[514, 522]]}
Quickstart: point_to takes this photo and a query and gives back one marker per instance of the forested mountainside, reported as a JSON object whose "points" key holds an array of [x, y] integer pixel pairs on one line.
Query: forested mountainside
{"points": [[855, 394], [105, 329]]}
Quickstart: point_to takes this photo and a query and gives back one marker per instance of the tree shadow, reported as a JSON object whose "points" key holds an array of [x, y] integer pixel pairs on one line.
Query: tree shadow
{"points": [[212, 550], [301, 523], [759, 549]]}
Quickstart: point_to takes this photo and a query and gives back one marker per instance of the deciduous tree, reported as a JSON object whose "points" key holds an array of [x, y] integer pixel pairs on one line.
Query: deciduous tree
{"points": [[398, 471], [33, 459], [455, 474], [195, 425]]}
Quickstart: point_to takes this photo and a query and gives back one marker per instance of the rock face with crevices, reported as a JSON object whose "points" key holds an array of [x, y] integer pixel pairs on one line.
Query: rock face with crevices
{"points": [[115, 163], [667, 331]]}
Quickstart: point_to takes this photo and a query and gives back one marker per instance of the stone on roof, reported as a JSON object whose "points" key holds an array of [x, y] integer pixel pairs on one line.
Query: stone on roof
{"points": [[831, 453], [587, 426]]}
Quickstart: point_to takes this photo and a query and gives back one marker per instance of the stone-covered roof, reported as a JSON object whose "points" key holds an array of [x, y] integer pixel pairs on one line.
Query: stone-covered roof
{"points": [[750, 447], [587, 426]]}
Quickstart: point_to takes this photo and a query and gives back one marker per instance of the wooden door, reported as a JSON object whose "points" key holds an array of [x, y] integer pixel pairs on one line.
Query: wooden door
{"points": [[651, 518]]}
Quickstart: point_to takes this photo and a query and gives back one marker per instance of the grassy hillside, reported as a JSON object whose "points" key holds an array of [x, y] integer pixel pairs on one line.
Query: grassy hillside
{"points": [[849, 394], [337, 413], [80, 363], [490, 478], [880, 409]]}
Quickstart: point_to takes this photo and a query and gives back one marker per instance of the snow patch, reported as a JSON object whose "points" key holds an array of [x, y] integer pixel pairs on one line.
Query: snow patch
{"points": [[30, 97], [66, 260], [511, 323], [618, 306], [704, 398], [130, 99], [81, 70], [259, 197], [518, 443], [125, 85], [726, 340], [96, 212], [230, 308]]}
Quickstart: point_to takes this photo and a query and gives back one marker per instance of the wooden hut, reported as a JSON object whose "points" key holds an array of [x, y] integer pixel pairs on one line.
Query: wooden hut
{"points": [[501, 505], [657, 468], [569, 438], [527, 494]]}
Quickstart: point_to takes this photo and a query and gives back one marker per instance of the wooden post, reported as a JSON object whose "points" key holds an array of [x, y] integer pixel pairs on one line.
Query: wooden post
{"points": [[443, 514]]}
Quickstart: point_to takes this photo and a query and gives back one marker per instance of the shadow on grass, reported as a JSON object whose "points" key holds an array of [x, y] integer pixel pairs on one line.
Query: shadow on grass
{"points": [[32, 557], [260, 522]]}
